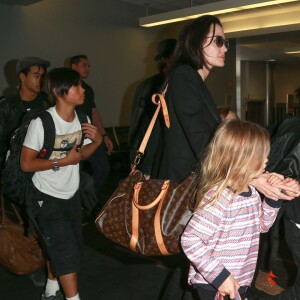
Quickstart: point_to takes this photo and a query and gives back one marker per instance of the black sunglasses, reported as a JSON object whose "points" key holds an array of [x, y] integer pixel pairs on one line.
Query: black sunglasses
{"points": [[220, 41]]}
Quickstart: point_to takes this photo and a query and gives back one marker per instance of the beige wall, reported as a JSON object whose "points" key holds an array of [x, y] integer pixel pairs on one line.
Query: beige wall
{"points": [[121, 53], [107, 31], [287, 80]]}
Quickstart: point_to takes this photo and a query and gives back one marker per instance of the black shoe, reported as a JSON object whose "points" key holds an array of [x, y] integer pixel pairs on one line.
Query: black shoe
{"points": [[58, 296]]}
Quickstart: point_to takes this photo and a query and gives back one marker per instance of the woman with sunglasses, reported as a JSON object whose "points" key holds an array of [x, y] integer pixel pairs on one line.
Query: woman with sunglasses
{"points": [[194, 118], [193, 112]]}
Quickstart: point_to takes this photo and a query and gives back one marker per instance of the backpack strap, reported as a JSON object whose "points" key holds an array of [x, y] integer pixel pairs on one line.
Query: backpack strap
{"points": [[49, 135], [82, 119], [82, 116]]}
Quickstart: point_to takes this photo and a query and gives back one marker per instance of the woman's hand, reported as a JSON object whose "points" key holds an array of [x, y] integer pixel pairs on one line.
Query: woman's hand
{"points": [[275, 186], [290, 187]]}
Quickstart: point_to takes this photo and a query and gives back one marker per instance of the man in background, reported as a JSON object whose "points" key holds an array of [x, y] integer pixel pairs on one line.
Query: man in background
{"points": [[98, 162], [29, 97]]}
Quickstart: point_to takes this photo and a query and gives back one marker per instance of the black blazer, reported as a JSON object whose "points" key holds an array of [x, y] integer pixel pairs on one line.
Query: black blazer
{"points": [[193, 117]]}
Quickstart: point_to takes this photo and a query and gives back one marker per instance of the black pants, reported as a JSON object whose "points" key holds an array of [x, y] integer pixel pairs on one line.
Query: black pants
{"points": [[100, 167], [177, 287], [293, 241], [59, 222], [269, 244]]}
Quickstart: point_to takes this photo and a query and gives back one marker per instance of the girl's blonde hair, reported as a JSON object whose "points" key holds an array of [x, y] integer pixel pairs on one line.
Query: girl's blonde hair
{"points": [[234, 157]]}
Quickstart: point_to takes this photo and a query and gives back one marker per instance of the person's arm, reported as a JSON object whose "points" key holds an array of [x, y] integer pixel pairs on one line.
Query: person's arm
{"points": [[194, 108], [195, 242], [97, 121], [90, 131], [34, 140], [29, 161], [283, 191]]}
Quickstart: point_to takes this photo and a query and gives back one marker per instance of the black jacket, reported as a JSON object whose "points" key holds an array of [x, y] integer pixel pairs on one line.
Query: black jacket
{"points": [[12, 111], [193, 120], [284, 159]]}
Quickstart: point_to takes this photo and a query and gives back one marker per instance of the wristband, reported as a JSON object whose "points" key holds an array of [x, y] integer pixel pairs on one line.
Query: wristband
{"points": [[55, 165]]}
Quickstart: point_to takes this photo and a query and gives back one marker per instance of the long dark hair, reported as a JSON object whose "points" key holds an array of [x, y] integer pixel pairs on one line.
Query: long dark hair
{"points": [[189, 49]]}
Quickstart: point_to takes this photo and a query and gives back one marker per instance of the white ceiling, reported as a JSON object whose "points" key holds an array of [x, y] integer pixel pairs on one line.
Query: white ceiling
{"points": [[167, 5], [18, 2], [262, 47]]}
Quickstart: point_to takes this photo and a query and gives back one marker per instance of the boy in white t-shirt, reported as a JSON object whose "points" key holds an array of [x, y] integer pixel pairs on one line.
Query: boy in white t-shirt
{"points": [[56, 182]]}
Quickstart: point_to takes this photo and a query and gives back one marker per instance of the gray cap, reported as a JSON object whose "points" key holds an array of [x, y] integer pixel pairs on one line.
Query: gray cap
{"points": [[26, 62]]}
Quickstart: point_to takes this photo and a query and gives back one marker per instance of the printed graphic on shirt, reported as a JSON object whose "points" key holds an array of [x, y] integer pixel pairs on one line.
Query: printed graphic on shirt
{"points": [[64, 143]]}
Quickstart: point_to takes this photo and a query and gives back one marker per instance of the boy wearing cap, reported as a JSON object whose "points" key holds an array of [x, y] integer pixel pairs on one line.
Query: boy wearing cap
{"points": [[29, 97], [143, 108]]}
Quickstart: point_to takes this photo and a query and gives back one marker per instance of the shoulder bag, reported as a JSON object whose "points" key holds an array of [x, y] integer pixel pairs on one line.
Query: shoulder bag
{"points": [[19, 254], [148, 215]]}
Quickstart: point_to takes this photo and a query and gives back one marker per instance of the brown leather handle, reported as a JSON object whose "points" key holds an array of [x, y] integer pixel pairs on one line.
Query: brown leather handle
{"points": [[135, 217], [137, 189]]}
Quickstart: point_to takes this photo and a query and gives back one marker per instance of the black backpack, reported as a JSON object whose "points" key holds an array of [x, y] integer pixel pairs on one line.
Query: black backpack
{"points": [[15, 183]]}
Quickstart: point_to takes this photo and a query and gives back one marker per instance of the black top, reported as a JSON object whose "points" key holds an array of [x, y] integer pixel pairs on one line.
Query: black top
{"points": [[193, 120], [13, 110], [88, 103], [284, 158]]}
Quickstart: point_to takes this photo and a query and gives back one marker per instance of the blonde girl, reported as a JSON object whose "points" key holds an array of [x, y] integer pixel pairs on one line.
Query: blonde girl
{"points": [[222, 238]]}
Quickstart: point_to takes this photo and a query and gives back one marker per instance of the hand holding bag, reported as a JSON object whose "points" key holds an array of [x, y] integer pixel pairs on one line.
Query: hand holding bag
{"points": [[149, 215], [220, 297], [19, 254]]}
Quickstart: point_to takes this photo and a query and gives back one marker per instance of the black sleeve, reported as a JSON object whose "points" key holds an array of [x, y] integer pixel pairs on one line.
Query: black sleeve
{"points": [[195, 109]]}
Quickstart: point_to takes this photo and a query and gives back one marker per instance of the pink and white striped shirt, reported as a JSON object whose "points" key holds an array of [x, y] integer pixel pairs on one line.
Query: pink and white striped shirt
{"points": [[223, 238]]}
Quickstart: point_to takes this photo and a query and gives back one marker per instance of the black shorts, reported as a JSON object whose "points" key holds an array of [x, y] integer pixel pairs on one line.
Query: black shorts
{"points": [[59, 221]]}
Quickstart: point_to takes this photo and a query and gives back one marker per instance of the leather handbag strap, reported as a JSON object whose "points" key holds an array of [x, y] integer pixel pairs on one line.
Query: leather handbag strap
{"points": [[3, 213], [137, 189], [135, 217], [2, 210], [159, 100]]}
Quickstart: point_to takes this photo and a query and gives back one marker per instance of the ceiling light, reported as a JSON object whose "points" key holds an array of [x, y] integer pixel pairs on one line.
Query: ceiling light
{"points": [[292, 50], [215, 8]]}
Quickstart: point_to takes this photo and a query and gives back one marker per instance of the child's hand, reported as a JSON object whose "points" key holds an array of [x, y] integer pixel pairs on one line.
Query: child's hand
{"points": [[262, 185], [229, 287], [274, 179], [73, 157], [91, 131]]}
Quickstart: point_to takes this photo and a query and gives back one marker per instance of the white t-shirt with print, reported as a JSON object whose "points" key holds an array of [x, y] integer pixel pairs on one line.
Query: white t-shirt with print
{"points": [[65, 182]]}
